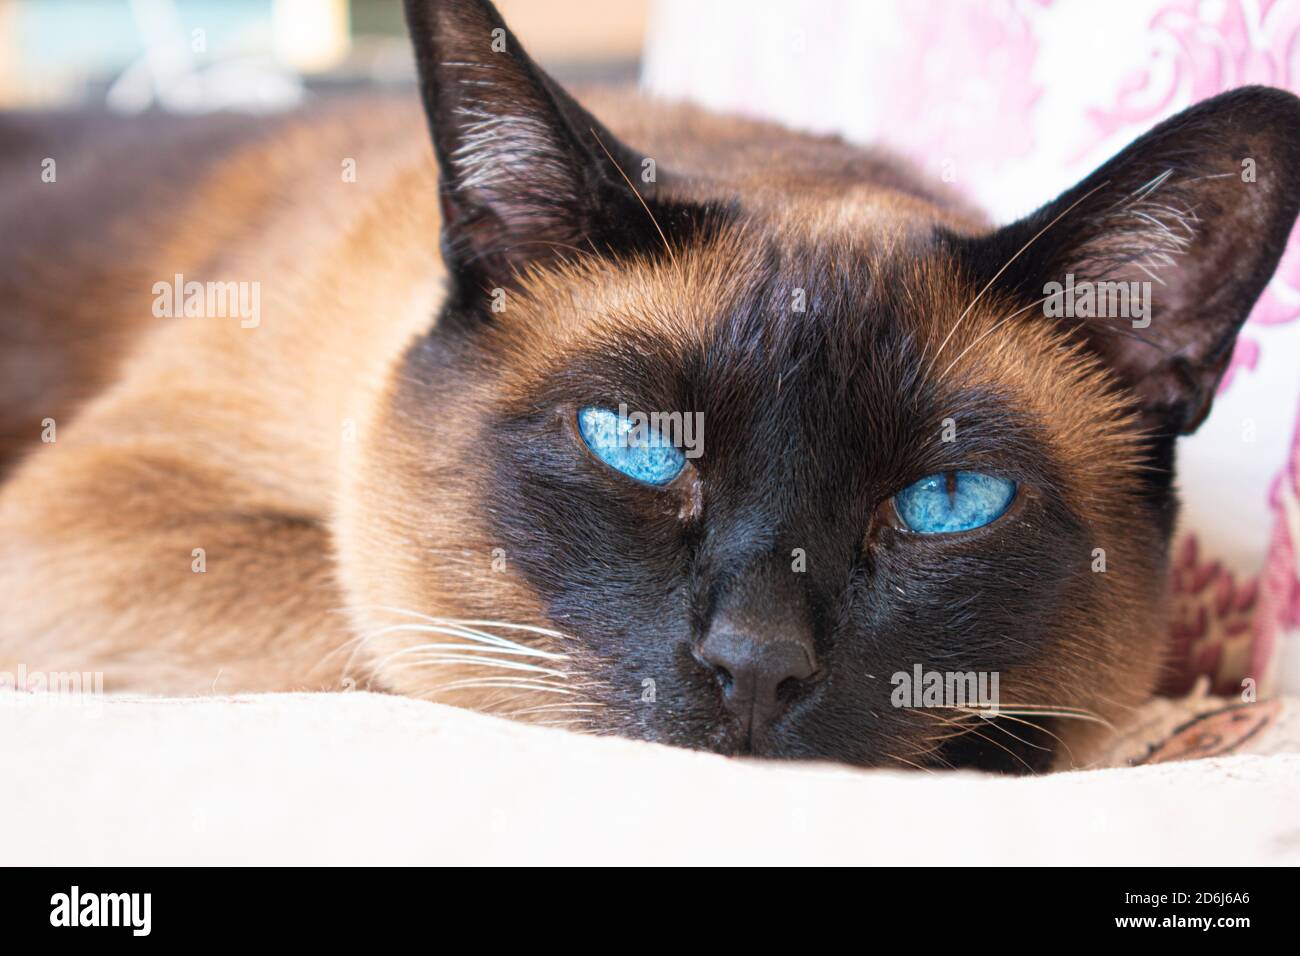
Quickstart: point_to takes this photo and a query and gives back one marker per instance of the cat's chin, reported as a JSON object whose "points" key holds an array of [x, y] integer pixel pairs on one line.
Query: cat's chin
{"points": [[1028, 752]]}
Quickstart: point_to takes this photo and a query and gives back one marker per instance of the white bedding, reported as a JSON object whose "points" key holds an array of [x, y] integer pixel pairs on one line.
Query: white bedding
{"points": [[365, 778]]}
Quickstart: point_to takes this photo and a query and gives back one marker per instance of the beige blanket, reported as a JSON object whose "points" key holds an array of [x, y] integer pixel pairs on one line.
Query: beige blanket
{"points": [[364, 778]]}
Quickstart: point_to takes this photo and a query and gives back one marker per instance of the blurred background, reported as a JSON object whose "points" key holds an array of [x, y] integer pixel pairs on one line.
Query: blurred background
{"points": [[1007, 101], [265, 55]]}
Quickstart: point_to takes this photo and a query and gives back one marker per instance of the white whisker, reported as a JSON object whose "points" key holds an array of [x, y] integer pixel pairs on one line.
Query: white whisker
{"points": [[473, 660], [997, 325], [531, 628], [492, 641], [1005, 266], [521, 684]]}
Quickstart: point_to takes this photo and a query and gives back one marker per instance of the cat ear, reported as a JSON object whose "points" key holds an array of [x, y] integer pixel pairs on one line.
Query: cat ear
{"points": [[526, 174], [1199, 209]]}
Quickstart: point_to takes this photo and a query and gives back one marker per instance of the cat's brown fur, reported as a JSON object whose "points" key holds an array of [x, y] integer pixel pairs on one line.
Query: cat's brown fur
{"points": [[239, 441], [296, 454], [236, 440]]}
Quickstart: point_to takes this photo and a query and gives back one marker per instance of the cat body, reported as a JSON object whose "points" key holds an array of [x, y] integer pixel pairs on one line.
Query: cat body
{"points": [[362, 458], [254, 426]]}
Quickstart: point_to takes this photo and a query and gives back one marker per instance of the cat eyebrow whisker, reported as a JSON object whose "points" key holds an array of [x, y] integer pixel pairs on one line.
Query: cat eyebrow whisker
{"points": [[655, 222], [1005, 266], [997, 325]]}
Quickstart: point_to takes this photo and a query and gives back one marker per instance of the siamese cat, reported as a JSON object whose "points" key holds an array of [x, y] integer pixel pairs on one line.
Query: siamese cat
{"points": [[621, 417]]}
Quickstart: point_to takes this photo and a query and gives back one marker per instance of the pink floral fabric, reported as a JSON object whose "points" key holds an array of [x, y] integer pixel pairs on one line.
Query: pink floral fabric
{"points": [[1013, 101]]}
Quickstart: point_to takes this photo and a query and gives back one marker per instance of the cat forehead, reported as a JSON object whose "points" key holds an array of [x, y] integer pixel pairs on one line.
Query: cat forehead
{"points": [[849, 325], [750, 297]]}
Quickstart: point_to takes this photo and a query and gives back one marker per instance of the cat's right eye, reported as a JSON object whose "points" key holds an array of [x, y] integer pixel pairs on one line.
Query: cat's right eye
{"points": [[631, 449]]}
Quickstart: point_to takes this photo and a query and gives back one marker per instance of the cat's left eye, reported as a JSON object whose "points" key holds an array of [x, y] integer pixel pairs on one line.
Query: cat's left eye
{"points": [[954, 501], [629, 448]]}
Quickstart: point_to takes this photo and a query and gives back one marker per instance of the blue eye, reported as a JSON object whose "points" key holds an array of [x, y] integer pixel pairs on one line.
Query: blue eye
{"points": [[954, 501], [625, 446]]}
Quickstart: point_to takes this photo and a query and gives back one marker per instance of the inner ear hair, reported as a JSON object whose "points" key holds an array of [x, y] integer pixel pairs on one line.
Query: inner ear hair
{"points": [[1192, 217], [526, 174]]}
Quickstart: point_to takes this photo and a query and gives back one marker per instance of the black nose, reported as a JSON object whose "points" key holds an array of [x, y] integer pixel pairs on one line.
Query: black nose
{"points": [[751, 667]]}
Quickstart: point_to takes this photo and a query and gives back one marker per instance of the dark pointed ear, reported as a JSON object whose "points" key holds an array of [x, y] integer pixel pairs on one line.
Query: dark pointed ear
{"points": [[526, 174], [1199, 209]]}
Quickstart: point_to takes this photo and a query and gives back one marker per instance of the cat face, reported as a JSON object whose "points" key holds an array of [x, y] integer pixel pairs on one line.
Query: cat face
{"points": [[720, 464]]}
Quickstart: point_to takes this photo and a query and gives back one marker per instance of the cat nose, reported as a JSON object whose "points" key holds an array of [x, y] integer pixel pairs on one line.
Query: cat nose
{"points": [[751, 667]]}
